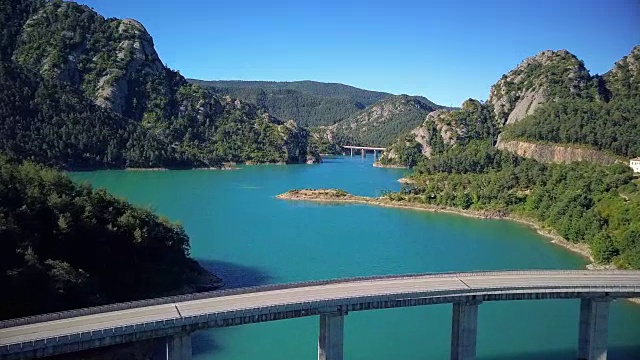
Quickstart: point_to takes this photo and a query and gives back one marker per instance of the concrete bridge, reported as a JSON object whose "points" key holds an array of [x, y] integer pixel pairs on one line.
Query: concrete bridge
{"points": [[175, 318], [364, 149]]}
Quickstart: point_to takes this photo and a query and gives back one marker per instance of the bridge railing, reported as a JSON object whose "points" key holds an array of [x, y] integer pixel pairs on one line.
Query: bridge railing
{"points": [[253, 289], [310, 306]]}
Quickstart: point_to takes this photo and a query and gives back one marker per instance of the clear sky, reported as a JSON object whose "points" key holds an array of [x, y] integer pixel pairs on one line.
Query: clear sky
{"points": [[445, 50]]}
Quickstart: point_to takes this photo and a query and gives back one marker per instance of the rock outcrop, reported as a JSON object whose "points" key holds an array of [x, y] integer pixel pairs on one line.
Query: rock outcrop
{"points": [[381, 123], [135, 53], [521, 91], [556, 153]]}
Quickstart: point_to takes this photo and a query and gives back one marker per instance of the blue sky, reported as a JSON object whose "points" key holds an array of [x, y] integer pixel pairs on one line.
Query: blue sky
{"points": [[445, 50]]}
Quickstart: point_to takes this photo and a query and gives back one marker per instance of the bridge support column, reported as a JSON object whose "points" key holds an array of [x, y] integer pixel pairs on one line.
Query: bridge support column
{"points": [[375, 154], [464, 328], [179, 347], [364, 153], [331, 336], [594, 325]]}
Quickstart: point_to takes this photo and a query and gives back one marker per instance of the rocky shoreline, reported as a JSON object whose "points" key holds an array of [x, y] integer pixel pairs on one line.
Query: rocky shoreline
{"points": [[341, 196], [389, 166]]}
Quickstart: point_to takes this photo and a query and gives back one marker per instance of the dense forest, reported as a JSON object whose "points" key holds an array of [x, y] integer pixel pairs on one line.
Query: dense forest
{"points": [[314, 104], [457, 164], [60, 242], [582, 202], [82, 92]]}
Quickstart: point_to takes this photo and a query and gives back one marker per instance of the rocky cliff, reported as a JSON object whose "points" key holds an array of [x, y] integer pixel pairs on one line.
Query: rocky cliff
{"points": [[154, 117], [556, 153], [538, 79]]}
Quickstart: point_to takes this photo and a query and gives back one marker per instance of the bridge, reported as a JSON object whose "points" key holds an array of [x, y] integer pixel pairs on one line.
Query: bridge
{"points": [[364, 149], [175, 318]]}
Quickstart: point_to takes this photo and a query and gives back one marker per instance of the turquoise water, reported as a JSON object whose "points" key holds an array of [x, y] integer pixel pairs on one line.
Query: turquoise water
{"points": [[241, 232]]}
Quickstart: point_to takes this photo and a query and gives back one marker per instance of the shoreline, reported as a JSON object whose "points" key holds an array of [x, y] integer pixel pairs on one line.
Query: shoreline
{"points": [[581, 249], [388, 166], [329, 196]]}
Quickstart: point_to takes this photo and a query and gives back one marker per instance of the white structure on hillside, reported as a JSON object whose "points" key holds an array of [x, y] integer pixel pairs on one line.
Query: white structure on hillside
{"points": [[635, 164]]}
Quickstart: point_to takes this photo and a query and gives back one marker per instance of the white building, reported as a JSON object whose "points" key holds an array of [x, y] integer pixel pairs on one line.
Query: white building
{"points": [[635, 164]]}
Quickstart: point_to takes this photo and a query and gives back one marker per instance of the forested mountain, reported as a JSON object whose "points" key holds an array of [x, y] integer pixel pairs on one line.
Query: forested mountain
{"points": [[309, 103], [549, 108], [552, 99], [327, 90], [381, 123], [601, 112], [82, 91], [66, 246]]}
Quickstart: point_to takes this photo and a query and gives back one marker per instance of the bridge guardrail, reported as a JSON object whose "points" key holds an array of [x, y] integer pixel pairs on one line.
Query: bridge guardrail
{"points": [[309, 306], [271, 287]]}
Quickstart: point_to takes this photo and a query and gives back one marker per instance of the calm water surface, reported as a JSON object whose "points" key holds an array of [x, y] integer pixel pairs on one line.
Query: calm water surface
{"points": [[242, 233]]}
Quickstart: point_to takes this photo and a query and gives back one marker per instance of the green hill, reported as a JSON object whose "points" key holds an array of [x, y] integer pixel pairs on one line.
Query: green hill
{"points": [[61, 242], [82, 91], [310, 103]]}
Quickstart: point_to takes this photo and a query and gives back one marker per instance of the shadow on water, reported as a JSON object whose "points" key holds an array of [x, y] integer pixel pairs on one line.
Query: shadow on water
{"points": [[617, 352], [234, 276]]}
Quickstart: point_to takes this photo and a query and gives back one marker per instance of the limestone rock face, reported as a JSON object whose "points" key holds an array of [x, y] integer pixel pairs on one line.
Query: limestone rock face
{"points": [[440, 124], [136, 53], [556, 153], [538, 79]]}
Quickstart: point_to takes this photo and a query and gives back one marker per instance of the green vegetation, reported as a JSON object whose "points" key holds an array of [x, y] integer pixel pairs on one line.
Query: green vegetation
{"points": [[383, 122], [601, 112], [309, 103], [79, 91], [587, 203], [65, 246]]}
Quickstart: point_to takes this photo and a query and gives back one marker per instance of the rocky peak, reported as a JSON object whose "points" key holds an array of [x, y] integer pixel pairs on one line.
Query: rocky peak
{"points": [[535, 81], [624, 78]]}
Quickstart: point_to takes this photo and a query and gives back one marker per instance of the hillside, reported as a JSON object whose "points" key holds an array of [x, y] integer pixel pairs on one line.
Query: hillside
{"points": [[309, 103], [61, 243], [379, 124], [549, 108], [568, 124], [576, 109], [82, 92]]}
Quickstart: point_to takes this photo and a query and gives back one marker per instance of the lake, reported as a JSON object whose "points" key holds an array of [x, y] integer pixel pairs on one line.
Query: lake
{"points": [[242, 233]]}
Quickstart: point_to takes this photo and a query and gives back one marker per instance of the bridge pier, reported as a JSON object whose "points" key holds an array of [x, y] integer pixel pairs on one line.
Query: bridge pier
{"points": [[464, 329], [351, 152], [331, 336], [375, 154], [364, 153], [179, 347], [594, 325]]}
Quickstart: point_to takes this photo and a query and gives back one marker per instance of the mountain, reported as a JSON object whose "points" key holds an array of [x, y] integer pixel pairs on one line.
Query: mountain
{"points": [[80, 92], [549, 108], [545, 148], [309, 103], [443, 129], [577, 110], [379, 124]]}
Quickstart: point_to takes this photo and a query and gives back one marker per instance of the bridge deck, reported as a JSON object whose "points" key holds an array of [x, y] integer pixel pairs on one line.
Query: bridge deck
{"points": [[346, 295], [363, 147]]}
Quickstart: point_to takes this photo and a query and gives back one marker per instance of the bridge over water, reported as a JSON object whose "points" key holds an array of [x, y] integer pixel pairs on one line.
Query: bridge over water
{"points": [[364, 149], [175, 318]]}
